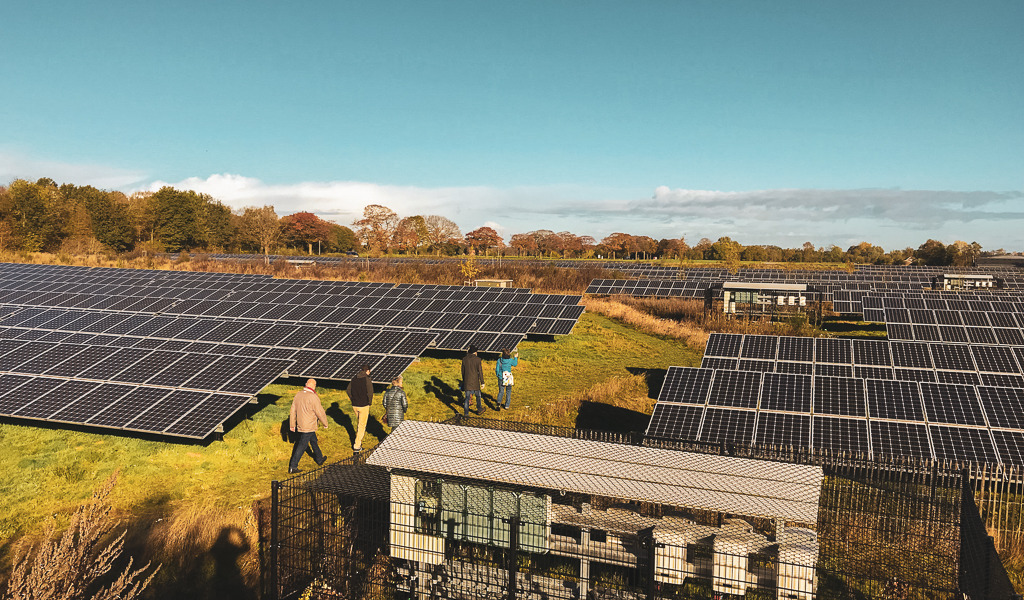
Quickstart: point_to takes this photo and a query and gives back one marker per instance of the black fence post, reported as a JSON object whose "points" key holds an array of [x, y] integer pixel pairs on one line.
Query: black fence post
{"points": [[648, 546], [512, 561], [274, 487]]}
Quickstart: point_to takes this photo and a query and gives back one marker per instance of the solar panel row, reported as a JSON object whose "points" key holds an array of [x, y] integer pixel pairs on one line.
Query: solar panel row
{"points": [[874, 359], [176, 393], [842, 414]]}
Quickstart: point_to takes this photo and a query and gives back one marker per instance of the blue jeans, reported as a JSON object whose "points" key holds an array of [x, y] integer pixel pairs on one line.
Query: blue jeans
{"points": [[304, 440], [507, 391], [479, 401]]}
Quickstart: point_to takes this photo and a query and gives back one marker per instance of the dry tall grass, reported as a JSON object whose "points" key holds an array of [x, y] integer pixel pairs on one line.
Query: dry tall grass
{"points": [[624, 392], [74, 566], [619, 310]]}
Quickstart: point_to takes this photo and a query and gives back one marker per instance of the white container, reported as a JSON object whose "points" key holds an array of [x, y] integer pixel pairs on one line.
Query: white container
{"points": [[729, 568]]}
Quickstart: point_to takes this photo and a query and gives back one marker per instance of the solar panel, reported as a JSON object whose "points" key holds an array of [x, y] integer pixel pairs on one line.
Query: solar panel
{"points": [[685, 385], [728, 426], [839, 396], [897, 439], [29, 391], [839, 434], [951, 403], [994, 359], [48, 359], [871, 352], [910, 354], [735, 388], [169, 409], [830, 350], [759, 346], [675, 421], [59, 397], [952, 357], [963, 444], [122, 411], [786, 392], [201, 420], [144, 370], [783, 429], [723, 345], [89, 404], [220, 371], [1010, 445]]}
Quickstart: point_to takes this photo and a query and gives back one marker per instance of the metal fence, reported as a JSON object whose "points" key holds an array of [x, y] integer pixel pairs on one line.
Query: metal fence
{"points": [[896, 529]]}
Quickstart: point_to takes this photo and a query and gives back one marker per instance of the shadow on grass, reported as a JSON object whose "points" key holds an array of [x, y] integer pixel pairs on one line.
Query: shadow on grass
{"points": [[339, 416], [605, 417], [448, 395], [655, 378]]}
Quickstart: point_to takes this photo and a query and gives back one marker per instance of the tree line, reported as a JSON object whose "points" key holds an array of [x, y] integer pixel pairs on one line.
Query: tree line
{"points": [[44, 216]]}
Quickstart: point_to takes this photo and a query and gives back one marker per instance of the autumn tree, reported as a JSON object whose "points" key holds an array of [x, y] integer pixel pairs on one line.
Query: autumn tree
{"points": [[617, 243], [442, 232], [524, 243], [303, 229], [411, 234], [261, 228], [377, 226], [484, 238]]}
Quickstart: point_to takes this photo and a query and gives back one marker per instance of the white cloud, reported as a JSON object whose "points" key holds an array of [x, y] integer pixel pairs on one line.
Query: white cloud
{"points": [[14, 165]]}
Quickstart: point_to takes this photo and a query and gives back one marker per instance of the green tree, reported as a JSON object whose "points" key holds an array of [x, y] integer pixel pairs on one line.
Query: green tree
{"points": [[726, 249], [177, 218], [108, 219]]}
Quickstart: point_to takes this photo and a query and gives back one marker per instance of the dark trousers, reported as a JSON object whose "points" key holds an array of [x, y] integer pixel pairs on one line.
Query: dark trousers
{"points": [[304, 441], [479, 406]]}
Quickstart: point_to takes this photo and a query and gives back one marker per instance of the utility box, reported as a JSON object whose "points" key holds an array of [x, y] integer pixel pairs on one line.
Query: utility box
{"points": [[729, 570], [798, 553], [501, 283]]}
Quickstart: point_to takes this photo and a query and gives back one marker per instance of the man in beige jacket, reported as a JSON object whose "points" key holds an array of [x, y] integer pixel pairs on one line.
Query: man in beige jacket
{"points": [[307, 410]]}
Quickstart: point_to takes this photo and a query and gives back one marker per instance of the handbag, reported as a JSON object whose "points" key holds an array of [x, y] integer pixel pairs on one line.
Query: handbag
{"points": [[507, 378]]}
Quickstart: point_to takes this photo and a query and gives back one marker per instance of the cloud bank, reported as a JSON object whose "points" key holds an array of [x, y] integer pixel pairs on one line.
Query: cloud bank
{"points": [[891, 217]]}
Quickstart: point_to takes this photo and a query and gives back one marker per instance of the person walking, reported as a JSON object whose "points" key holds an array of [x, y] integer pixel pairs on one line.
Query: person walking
{"points": [[503, 369], [395, 403], [360, 391], [306, 413], [472, 380]]}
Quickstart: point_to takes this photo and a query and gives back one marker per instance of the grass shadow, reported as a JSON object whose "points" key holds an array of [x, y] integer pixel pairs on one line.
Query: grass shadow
{"points": [[655, 378], [606, 417]]}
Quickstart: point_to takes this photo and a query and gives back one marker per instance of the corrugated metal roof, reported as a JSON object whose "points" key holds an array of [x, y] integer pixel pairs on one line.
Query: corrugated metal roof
{"points": [[710, 482]]}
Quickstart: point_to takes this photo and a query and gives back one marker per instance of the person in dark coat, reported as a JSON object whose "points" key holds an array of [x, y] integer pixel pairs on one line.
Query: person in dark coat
{"points": [[360, 391], [472, 380]]}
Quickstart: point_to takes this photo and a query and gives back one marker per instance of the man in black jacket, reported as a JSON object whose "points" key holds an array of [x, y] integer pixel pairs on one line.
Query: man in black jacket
{"points": [[472, 380], [360, 391]]}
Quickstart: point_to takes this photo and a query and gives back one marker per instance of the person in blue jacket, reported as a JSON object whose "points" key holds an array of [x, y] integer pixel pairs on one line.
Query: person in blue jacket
{"points": [[503, 369]]}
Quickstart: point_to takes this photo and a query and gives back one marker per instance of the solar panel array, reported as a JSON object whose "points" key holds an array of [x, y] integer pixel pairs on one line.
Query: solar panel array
{"points": [[843, 288], [177, 353], [870, 359], [322, 352], [874, 397], [489, 318], [173, 393]]}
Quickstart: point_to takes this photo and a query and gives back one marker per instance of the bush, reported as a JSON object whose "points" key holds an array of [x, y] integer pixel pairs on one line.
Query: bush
{"points": [[74, 566]]}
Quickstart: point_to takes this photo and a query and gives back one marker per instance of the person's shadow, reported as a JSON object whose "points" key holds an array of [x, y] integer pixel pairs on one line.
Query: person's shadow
{"points": [[227, 578], [447, 394], [342, 418]]}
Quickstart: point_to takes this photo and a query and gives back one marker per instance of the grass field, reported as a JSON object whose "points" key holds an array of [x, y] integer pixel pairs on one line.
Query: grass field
{"points": [[191, 507]]}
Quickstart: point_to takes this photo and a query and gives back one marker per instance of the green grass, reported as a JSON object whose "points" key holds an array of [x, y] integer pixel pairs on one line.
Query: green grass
{"points": [[50, 471]]}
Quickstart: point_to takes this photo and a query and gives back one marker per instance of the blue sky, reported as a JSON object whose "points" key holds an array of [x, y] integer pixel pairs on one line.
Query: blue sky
{"points": [[766, 121]]}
